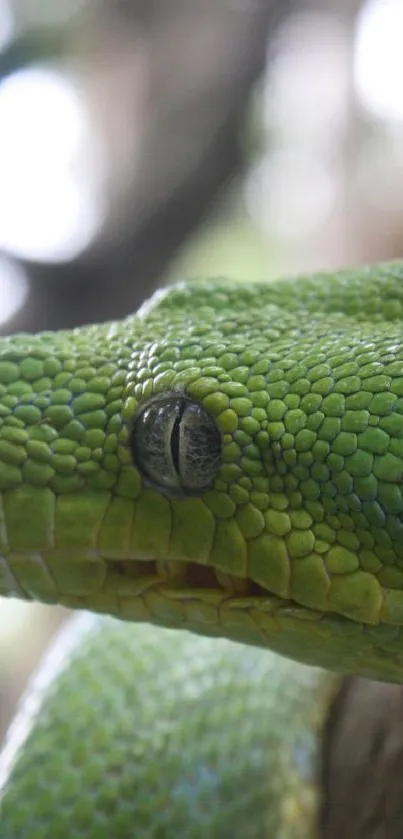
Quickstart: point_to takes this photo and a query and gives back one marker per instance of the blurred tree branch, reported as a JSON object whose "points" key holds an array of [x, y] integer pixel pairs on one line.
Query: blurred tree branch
{"points": [[203, 60], [362, 760]]}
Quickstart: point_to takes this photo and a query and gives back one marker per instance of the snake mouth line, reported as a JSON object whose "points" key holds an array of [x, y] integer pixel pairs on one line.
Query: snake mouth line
{"points": [[111, 585], [189, 581], [184, 580], [79, 581]]}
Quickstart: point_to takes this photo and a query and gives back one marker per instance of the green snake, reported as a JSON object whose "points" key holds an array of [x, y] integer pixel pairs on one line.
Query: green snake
{"points": [[228, 462]]}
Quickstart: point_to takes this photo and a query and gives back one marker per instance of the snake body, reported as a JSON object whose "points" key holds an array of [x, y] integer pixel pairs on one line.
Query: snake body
{"points": [[227, 461]]}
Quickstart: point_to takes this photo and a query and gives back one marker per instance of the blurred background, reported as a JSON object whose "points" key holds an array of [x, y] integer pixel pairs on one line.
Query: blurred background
{"points": [[142, 141]]}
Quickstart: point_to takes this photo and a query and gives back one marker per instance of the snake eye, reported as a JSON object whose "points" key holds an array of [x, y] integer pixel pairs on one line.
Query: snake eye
{"points": [[176, 445]]}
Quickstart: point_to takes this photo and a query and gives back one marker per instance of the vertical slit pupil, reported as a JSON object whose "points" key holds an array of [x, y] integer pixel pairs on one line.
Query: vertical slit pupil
{"points": [[175, 438], [176, 446]]}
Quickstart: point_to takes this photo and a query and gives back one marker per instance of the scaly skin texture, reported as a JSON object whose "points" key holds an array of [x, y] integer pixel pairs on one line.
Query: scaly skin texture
{"points": [[297, 545], [147, 733]]}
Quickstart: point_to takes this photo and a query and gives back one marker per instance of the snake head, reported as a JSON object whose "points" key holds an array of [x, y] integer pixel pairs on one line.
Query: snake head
{"points": [[230, 459]]}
